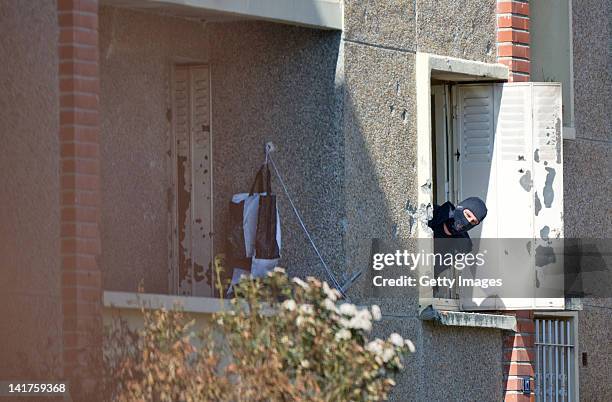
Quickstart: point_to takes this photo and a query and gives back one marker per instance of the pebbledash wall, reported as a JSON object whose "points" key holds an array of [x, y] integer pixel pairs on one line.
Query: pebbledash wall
{"points": [[587, 173], [30, 293]]}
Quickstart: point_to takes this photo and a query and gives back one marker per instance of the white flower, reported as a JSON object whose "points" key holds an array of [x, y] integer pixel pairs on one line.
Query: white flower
{"points": [[410, 345], [306, 309], [348, 309], [299, 321], [329, 305], [279, 270], [360, 322], [375, 346], [344, 323], [301, 283], [289, 305], [396, 339], [329, 292], [376, 314], [388, 354], [343, 334], [305, 363]]}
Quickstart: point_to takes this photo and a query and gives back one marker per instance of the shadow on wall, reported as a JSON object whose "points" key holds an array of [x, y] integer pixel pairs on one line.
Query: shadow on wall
{"points": [[285, 84]]}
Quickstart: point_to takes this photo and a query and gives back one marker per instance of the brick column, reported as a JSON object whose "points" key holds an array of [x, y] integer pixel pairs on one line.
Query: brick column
{"points": [[518, 358], [80, 194], [513, 38]]}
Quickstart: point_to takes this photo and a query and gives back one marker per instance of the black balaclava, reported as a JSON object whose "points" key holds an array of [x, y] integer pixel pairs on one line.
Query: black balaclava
{"points": [[460, 222]]}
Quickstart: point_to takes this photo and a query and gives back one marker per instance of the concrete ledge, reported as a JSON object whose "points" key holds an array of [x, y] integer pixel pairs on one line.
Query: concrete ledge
{"points": [[325, 14], [132, 300], [463, 319]]}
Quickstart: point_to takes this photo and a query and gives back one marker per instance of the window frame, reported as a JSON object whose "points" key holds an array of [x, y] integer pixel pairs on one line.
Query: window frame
{"points": [[572, 316], [426, 65]]}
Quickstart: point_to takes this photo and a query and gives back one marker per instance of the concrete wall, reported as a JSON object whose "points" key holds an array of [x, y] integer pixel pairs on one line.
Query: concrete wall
{"points": [[277, 83], [30, 296], [137, 51], [587, 175], [379, 120]]}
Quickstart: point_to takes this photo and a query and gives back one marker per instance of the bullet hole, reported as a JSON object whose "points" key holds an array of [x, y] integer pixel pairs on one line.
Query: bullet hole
{"points": [[521, 158], [404, 115]]}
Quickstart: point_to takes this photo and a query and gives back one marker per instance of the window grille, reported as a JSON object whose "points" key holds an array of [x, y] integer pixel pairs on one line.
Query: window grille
{"points": [[555, 360]]}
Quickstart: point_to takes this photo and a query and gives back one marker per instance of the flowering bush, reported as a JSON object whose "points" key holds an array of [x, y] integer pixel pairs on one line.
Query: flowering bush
{"points": [[283, 340]]}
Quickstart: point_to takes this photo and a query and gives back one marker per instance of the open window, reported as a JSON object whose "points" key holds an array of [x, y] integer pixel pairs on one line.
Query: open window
{"points": [[501, 142]]}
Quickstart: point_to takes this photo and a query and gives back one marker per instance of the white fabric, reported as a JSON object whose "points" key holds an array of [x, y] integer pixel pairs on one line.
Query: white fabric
{"points": [[259, 267]]}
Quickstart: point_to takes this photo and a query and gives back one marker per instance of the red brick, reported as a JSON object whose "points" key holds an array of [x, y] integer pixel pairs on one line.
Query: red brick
{"points": [[513, 7], [522, 66], [518, 78], [511, 50], [82, 278], [80, 101], [71, 84], [519, 355], [79, 68], [80, 246], [516, 384], [83, 166], [79, 134], [79, 263], [515, 397], [81, 214], [80, 150], [78, 18], [512, 35], [519, 341], [80, 198], [78, 52], [85, 294], [80, 5], [79, 117], [525, 325], [523, 314], [87, 182], [519, 369], [81, 36], [511, 21]]}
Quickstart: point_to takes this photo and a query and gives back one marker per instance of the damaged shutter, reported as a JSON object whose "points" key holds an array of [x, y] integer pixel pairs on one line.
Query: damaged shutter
{"points": [[192, 220], [510, 151], [548, 190]]}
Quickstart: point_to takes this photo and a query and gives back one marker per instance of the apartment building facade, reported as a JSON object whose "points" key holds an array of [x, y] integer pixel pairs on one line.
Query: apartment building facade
{"points": [[129, 124]]}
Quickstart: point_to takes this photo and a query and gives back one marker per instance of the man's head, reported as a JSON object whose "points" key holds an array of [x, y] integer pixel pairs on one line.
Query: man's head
{"points": [[469, 213]]}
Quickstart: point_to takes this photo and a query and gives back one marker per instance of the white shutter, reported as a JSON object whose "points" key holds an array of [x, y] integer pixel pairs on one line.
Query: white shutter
{"points": [[476, 167], [510, 145], [192, 226]]}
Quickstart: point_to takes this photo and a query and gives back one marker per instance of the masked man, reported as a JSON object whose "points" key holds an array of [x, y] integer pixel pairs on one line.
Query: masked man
{"points": [[450, 222], [454, 222]]}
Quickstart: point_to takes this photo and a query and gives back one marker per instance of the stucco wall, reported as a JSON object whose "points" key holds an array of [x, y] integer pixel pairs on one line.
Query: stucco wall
{"points": [[30, 296], [137, 51], [587, 172], [273, 82]]}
